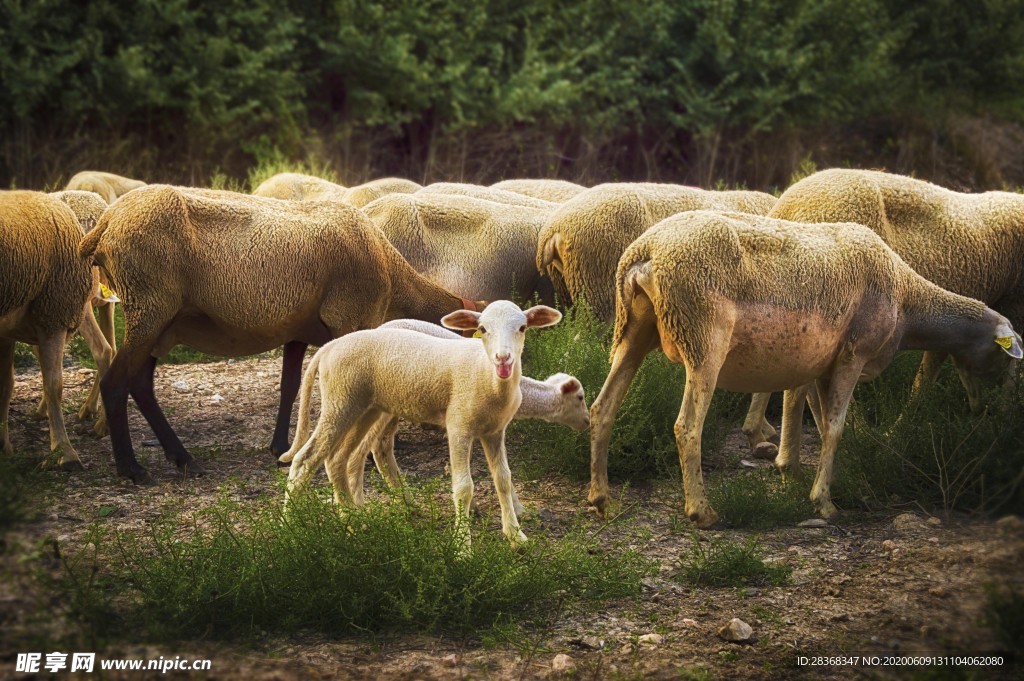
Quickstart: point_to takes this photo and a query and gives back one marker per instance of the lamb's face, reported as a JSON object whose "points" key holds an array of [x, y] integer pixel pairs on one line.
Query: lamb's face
{"points": [[502, 327], [571, 407]]}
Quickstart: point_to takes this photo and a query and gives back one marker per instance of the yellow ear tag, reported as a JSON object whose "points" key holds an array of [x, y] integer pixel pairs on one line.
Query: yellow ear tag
{"points": [[1005, 342], [107, 295], [477, 334]]}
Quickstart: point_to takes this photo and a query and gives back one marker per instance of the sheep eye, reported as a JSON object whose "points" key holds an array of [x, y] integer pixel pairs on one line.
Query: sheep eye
{"points": [[522, 329], [482, 330], [581, 398]]}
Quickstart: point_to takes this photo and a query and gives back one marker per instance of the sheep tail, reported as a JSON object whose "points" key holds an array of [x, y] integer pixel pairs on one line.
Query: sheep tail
{"points": [[547, 252], [88, 245], [631, 274], [302, 429]]}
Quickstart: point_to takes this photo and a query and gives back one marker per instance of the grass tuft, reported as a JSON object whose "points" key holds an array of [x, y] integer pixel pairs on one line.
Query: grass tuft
{"points": [[719, 563], [760, 499]]}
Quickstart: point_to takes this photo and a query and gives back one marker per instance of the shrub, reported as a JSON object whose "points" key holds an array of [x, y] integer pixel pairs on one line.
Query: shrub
{"points": [[760, 499], [717, 562]]}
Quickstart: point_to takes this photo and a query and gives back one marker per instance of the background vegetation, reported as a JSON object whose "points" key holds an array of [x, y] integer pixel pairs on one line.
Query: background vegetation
{"points": [[686, 90]]}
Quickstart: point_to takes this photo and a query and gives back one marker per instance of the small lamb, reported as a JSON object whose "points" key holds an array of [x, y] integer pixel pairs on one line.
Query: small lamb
{"points": [[472, 389], [557, 399]]}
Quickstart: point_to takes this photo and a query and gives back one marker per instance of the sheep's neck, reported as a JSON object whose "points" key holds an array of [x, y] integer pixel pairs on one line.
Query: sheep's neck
{"points": [[935, 319], [413, 296], [538, 403]]}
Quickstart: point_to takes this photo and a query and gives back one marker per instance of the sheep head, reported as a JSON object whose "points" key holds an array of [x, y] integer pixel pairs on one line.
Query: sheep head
{"points": [[502, 327]]}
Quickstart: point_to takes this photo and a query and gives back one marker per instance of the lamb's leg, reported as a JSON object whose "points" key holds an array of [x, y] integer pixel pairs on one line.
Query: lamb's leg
{"points": [[379, 441], [51, 362], [102, 353], [141, 388], [339, 462], [700, 388], [6, 391], [291, 379], [836, 394], [460, 446], [327, 440], [384, 453], [755, 425], [640, 336], [497, 461], [788, 458]]}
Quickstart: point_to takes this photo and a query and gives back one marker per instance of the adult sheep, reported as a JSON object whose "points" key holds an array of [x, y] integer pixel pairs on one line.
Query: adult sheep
{"points": [[487, 194], [299, 187], [478, 249], [368, 192], [581, 244], [756, 304], [107, 185], [557, 191], [240, 275], [45, 287]]}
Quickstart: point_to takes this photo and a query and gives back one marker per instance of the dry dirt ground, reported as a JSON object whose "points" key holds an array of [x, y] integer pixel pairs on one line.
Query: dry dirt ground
{"points": [[893, 585]]}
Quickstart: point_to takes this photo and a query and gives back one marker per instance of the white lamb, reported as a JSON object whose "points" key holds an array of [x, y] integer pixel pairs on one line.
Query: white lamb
{"points": [[472, 389], [557, 399]]}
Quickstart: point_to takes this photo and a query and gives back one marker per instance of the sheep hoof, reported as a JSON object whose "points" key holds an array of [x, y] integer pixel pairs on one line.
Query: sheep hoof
{"points": [[827, 510], [599, 504], [72, 466], [282, 464], [704, 520], [138, 475], [192, 469], [101, 429]]}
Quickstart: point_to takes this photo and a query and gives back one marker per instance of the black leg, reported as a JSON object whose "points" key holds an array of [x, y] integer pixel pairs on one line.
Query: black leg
{"points": [[291, 378]]}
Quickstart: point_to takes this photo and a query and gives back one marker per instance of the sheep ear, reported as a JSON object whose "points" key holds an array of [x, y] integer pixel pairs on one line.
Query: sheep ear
{"points": [[461, 320], [1011, 346], [570, 386], [106, 295], [539, 316]]}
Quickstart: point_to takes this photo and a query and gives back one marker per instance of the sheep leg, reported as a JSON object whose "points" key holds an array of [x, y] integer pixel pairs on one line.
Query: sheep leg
{"points": [[639, 338], [380, 441], [788, 458], [931, 364], [700, 388], [384, 454], [6, 391], [291, 379], [339, 461], [40, 412], [51, 362], [836, 394], [755, 425], [460, 447], [102, 353], [141, 388], [327, 441], [497, 461]]}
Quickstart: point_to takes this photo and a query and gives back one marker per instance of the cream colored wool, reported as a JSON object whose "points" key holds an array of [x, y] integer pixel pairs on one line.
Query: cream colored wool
{"points": [[476, 248], [754, 304], [581, 244], [299, 187], [241, 274], [556, 191], [107, 185], [487, 194], [363, 194], [45, 286]]}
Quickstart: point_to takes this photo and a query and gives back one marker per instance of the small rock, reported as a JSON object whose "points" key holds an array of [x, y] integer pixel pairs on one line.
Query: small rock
{"points": [[687, 622], [888, 545], [588, 643], [907, 521], [653, 639], [754, 464], [650, 583], [736, 630], [180, 386], [765, 451], [934, 540], [217, 398], [932, 520], [450, 660], [562, 663], [938, 591], [151, 443], [813, 522]]}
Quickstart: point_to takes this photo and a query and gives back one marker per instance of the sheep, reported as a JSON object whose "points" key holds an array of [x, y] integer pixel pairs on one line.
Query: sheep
{"points": [[971, 244], [756, 304], [476, 248], [487, 194], [240, 274], [360, 195], [557, 191], [582, 242], [557, 399], [107, 185], [299, 187], [470, 388], [45, 289]]}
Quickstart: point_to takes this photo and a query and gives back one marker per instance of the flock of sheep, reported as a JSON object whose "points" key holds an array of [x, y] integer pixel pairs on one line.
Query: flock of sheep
{"points": [[809, 294]]}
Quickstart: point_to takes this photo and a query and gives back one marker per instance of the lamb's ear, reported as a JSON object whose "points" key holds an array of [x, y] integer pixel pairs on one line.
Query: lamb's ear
{"points": [[571, 386], [461, 320], [539, 316], [1011, 345]]}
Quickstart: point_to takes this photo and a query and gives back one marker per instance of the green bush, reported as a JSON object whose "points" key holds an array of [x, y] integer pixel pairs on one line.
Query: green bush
{"points": [[718, 562], [643, 441], [390, 565], [928, 448], [760, 499]]}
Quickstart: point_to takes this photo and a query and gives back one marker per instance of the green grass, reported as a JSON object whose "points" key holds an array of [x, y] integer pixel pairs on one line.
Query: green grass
{"points": [[929, 449], [233, 571], [720, 563], [760, 499], [643, 443]]}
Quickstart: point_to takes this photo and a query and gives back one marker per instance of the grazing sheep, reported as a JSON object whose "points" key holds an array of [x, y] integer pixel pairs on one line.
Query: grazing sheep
{"points": [[45, 287], [755, 304], [478, 249], [556, 191], [299, 187], [557, 399], [471, 388], [107, 185], [487, 194], [241, 274], [581, 244], [369, 192]]}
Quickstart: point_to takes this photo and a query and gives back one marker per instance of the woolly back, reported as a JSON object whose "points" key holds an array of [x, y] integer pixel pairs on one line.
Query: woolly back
{"points": [[556, 191], [363, 194], [298, 187], [488, 194], [692, 258], [87, 206], [39, 262]]}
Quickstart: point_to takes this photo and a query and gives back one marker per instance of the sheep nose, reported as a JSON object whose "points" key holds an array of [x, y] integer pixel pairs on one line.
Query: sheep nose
{"points": [[504, 358]]}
